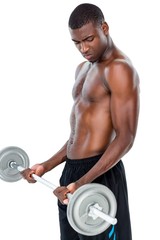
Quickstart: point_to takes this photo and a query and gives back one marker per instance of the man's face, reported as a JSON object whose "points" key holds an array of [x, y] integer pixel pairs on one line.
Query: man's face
{"points": [[90, 40]]}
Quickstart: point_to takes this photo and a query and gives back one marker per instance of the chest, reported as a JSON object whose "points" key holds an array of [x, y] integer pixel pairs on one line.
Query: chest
{"points": [[90, 85]]}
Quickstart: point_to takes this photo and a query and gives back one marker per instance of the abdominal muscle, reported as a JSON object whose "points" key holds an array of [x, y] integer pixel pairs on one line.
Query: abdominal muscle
{"points": [[91, 130]]}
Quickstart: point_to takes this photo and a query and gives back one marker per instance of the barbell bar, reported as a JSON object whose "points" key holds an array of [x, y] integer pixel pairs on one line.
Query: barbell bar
{"points": [[92, 207]]}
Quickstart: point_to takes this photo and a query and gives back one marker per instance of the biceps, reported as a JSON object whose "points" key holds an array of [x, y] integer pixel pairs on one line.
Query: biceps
{"points": [[124, 113]]}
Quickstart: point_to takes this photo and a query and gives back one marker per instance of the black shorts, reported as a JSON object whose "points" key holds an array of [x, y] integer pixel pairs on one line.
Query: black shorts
{"points": [[115, 180]]}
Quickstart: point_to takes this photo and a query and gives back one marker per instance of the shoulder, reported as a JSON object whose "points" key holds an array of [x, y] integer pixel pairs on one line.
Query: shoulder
{"points": [[121, 65], [120, 73]]}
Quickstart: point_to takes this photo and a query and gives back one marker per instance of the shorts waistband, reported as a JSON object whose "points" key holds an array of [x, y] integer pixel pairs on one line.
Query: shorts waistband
{"points": [[84, 160]]}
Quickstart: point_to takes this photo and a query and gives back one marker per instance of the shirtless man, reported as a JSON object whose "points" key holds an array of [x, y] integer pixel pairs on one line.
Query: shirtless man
{"points": [[103, 121]]}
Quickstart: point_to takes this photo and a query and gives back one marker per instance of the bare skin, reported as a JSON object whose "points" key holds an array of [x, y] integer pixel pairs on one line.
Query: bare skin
{"points": [[105, 112]]}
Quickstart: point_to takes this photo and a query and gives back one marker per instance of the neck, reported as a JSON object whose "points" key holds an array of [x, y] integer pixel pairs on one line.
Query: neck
{"points": [[108, 52]]}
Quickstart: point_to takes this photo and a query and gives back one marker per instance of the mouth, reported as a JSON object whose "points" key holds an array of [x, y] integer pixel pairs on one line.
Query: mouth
{"points": [[87, 56]]}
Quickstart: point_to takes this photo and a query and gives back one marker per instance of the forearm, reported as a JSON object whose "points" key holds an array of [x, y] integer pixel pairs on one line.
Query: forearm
{"points": [[56, 159]]}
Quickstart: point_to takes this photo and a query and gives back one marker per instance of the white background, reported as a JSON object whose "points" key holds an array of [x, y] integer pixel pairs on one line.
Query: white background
{"points": [[37, 65]]}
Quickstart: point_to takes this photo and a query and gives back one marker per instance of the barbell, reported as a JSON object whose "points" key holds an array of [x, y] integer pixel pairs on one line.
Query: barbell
{"points": [[92, 207]]}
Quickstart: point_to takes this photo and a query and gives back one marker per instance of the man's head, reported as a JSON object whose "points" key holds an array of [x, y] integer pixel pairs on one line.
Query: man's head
{"points": [[89, 31], [85, 13]]}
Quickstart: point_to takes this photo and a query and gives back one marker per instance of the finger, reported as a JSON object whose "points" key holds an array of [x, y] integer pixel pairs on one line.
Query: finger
{"points": [[72, 187], [61, 194], [38, 169], [66, 201], [27, 174]]}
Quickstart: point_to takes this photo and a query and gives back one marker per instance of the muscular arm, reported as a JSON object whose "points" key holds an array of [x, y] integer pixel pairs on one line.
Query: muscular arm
{"points": [[56, 159], [42, 168], [124, 106]]}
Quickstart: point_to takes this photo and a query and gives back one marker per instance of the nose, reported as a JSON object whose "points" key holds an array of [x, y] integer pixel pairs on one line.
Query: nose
{"points": [[84, 47]]}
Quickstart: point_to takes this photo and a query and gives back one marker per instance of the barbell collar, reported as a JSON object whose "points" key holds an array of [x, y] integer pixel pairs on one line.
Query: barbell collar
{"points": [[95, 212]]}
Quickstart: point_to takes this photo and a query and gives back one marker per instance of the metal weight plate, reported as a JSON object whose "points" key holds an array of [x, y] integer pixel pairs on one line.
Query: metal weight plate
{"points": [[78, 208], [8, 155]]}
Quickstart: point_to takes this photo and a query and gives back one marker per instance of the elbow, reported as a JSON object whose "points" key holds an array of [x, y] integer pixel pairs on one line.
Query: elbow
{"points": [[125, 140], [129, 141]]}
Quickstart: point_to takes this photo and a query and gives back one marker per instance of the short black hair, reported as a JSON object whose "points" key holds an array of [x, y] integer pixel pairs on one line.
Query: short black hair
{"points": [[85, 13]]}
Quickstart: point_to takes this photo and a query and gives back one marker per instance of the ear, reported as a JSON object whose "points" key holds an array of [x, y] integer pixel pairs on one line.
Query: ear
{"points": [[105, 28]]}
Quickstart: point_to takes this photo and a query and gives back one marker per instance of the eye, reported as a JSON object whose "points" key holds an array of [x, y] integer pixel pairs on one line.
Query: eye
{"points": [[76, 42], [90, 39]]}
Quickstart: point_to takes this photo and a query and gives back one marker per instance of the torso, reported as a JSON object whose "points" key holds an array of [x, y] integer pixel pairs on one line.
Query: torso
{"points": [[91, 121], [91, 125]]}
